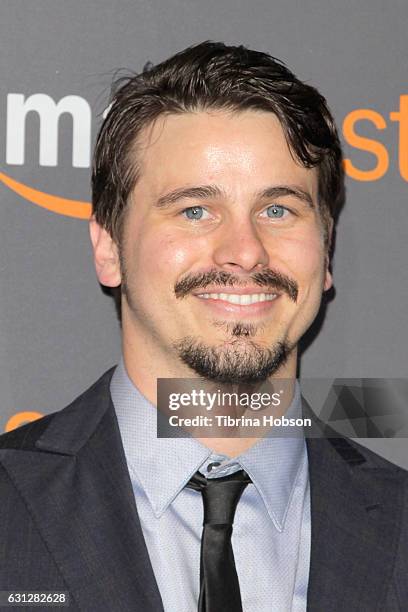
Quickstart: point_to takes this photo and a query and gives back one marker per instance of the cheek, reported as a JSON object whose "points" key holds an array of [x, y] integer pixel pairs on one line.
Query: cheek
{"points": [[304, 258], [166, 255]]}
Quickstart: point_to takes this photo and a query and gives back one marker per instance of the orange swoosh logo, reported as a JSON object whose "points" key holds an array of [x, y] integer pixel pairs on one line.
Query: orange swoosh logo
{"points": [[61, 206]]}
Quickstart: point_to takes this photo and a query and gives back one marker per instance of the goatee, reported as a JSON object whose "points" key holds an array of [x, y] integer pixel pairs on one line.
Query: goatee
{"points": [[240, 361]]}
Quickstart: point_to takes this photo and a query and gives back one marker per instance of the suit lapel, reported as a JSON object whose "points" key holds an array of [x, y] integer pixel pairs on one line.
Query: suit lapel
{"points": [[354, 541], [86, 513]]}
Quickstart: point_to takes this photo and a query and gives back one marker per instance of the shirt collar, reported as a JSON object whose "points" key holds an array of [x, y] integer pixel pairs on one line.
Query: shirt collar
{"points": [[163, 466]]}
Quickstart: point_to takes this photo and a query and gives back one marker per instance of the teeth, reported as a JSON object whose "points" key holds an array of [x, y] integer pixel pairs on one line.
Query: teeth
{"points": [[242, 300]]}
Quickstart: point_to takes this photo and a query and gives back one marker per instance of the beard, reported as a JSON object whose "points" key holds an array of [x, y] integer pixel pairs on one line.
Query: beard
{"points": [[238, 362]]}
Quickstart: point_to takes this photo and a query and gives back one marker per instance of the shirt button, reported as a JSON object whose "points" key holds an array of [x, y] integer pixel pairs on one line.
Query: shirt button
{"points": [[212, 465]]}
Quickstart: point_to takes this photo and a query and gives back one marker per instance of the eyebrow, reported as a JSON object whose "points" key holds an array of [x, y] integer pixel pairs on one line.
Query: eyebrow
{"points": [[203, 192], [287, 190]]}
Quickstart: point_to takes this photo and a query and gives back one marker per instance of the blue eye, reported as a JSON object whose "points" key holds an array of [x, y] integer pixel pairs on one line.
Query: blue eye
{"points": [[275, 211], [194, 213]]}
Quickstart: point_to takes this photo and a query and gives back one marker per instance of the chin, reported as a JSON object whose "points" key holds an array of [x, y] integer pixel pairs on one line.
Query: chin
{"points": [[236, 361]]}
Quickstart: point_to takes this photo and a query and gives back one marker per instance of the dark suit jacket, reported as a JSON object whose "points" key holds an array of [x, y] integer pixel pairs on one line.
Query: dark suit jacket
{"points": [[68, 519]]}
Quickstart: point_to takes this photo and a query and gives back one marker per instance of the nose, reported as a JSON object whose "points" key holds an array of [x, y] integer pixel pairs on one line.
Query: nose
{"points": [[240, 247]]}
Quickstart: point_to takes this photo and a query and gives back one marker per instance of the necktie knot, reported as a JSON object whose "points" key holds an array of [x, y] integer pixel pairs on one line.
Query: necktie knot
{"points": [[220, 496]]}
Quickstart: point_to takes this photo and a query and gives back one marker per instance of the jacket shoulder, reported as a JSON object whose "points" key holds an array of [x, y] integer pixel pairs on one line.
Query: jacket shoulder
{"points": [[26, 436]]}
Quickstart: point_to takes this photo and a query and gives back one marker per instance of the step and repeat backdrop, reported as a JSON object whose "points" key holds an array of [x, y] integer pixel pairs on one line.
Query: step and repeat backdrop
{"points": [[58, 330]]}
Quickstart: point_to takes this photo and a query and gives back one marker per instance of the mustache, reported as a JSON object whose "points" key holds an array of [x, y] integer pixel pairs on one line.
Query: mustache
{"points": [[270, 279]]}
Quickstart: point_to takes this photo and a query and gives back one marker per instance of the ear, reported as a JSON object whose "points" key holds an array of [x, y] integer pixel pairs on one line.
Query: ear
{"points": [[328, 279], [106, 255]]}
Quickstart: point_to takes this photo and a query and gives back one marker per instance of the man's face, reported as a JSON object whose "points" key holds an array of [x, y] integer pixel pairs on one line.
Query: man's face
{"points": [[222, 260]]}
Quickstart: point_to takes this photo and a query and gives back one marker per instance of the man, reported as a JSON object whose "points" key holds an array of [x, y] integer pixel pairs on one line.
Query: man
{"points": [[216, 184]]}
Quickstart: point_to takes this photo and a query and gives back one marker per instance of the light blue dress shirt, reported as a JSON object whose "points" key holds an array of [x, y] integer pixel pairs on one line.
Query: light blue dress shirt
{"points": [[271, 534]]}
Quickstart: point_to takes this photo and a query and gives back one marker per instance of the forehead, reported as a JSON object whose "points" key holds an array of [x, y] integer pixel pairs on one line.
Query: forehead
{"points": [[241, 151]]}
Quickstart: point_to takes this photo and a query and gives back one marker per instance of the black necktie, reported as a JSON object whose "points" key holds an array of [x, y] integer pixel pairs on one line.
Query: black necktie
{"points": [[219, 586]]}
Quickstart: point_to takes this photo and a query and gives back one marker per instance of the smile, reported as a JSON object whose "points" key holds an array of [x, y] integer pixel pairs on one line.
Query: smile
{"points": [[241, 300]]}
